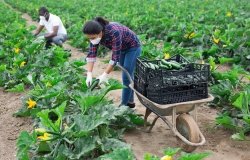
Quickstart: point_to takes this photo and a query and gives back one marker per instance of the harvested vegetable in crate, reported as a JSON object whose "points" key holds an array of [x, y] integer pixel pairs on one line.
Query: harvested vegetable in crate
{"points": [[171, 81]]}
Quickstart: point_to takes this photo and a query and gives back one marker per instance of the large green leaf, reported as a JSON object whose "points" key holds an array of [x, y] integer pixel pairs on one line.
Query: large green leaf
{"points": [[118, 154], [17, 88], [149, 156], [2, 67], [24, 142], [238, 136], [87, 123], [47, 122], [82, 147], [226, 121], [238, 102], [109, 144], [171, 151], [193, 156]]}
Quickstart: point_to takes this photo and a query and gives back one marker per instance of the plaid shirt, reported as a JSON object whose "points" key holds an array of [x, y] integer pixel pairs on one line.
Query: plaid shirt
{"points": [[117, 38]]}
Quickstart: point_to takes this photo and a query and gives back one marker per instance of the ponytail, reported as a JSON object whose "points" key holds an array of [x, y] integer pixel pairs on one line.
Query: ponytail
{"points": [[95, 26], [102, 21]]}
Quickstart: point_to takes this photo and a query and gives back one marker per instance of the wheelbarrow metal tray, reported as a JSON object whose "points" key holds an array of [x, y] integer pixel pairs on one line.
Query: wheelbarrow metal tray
{"points": [[166, 109]]}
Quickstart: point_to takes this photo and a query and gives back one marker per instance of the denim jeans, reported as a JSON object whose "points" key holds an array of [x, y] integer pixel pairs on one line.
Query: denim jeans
{"points": [[58, 39], [128, 61]]}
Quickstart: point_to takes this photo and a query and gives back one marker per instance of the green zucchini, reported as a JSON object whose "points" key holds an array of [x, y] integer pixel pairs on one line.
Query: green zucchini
{"points": [[146, 64], [165, 66], [175, 65], [164, 62], [156, 66], [94, 84], [152, 66]]}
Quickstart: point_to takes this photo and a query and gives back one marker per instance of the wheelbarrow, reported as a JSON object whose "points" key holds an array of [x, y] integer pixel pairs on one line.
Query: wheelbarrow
{"points": [[183, 124]]}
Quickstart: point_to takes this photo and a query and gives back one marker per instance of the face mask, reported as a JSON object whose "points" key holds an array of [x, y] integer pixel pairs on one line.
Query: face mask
{"points": [[42, 18], [95, 41]]}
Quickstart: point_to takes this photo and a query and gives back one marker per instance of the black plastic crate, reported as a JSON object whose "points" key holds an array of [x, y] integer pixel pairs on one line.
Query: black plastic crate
{"points": [[146, 73], [192, 73], [140, 85], [176, 94]]}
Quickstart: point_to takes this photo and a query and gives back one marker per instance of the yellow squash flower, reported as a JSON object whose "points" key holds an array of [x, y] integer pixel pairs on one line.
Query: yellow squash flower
{"points": [[229, 14], [46, 136], [166, 158], [17, 50], [216, 40], [22, 64], [191, 35], [166, 56], [31, 103]]}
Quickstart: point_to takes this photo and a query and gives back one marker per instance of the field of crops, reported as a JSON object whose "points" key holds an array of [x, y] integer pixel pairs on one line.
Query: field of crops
{"points": [[72, 122]]}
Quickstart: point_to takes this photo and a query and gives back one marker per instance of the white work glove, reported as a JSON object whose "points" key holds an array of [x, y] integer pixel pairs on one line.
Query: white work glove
{"points": [[103, 78], [89, 79]]}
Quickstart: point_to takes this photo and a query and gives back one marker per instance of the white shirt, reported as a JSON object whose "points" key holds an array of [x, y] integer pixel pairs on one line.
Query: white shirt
{"points": [[53, 21]]}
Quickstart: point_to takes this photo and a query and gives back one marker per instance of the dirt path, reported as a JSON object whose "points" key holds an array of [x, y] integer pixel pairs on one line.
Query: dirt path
{"points": [[10, 126], [218, 140]]}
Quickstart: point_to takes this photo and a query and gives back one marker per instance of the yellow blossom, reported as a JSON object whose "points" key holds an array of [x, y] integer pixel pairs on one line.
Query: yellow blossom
{"points": [[166, 158], [190, 35], [46, 136], [17, 50], [22, 64], [31, 103], [166, 56], [216, 40], [202, 62], [229, 14]]}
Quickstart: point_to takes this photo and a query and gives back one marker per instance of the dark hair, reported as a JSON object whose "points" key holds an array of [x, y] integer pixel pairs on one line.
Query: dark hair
{"points": [[43, 10], [95, 26]]}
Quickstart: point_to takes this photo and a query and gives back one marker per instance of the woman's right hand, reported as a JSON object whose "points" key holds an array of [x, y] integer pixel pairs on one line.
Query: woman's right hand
{"points": [[89, 79]]}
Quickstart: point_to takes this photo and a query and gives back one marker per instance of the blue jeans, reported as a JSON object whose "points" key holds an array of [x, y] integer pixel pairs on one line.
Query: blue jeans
{"points": [[58, 39], [128, 61]]}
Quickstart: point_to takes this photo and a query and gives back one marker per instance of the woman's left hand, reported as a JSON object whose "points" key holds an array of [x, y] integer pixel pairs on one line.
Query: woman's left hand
{"points": [[103, 78]]}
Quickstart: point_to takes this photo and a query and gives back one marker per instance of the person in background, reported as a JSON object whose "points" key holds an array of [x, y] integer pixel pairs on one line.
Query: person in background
{"points": [[56, 32], [125, 47]]}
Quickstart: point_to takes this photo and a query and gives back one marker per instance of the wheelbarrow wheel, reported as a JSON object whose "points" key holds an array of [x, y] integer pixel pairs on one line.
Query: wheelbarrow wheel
{"points": [[188, 128]]}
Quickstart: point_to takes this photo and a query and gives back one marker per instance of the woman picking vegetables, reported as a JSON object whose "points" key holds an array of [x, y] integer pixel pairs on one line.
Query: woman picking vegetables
{"points": [[125, 47]]}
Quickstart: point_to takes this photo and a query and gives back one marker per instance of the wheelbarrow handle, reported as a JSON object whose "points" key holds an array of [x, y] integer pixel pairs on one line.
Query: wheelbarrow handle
{"points": [[126, 72]]}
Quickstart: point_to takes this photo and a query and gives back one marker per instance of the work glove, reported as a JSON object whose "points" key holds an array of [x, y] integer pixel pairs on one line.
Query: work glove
{"points": [[103, 78], [89, 79]]}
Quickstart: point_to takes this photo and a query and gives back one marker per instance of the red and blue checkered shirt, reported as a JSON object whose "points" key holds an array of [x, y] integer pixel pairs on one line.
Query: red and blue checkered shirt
{"points": [[116, 37]]}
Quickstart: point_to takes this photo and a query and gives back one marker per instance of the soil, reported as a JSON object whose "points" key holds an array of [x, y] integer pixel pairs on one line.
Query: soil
{"points": [[218, 141]]}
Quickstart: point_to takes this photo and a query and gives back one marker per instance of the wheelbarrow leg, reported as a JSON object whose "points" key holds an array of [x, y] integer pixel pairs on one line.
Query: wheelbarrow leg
{"points": [[152, 125], [147, 113]]}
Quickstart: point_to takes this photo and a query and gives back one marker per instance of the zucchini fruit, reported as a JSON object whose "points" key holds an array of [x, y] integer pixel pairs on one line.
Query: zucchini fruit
{"points": [[168, 65], [94, 84]]}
